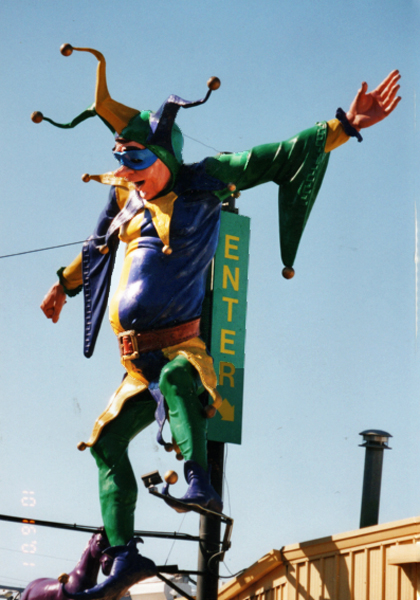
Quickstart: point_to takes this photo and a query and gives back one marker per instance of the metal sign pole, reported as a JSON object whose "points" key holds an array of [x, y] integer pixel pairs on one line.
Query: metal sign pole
{"points": [[223, 329], [209, 548]]}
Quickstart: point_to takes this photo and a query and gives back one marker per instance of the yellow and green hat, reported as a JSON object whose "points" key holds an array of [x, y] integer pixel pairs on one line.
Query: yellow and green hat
{"points": [[155, 130]]}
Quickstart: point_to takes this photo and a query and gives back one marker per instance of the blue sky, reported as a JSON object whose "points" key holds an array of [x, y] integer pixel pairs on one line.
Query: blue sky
{"points": [[328, 354]]}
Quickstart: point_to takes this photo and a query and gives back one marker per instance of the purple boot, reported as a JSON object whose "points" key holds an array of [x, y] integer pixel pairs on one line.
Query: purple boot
{"points": [[200, 491], [128, 568]]}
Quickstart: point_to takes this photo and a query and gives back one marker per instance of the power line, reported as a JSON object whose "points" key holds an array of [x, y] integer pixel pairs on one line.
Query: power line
{"points": [[91, 529], [14, 579], [72, 560], [42, 249], [202, 143], [81, 242]]}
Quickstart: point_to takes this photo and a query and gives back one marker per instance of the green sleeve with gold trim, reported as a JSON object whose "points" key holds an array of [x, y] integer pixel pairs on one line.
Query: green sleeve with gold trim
{"points": [[297, 165]]}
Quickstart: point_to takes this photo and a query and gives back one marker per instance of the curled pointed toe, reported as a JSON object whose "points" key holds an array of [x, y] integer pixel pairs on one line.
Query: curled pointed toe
{"points": [[128, 568], [200, 492]]}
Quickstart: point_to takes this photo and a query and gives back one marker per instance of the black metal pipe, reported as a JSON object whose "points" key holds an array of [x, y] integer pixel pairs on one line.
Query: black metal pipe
{"points": [[210, 527], [375, 442], [209, 547]]}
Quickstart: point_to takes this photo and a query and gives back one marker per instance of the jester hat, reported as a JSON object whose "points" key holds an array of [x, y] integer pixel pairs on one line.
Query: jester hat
{"points": [[155, 130]]}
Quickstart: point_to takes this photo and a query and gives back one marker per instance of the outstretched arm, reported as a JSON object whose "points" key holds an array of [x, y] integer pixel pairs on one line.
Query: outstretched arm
{"points": [[70, 278], [370, 108]]}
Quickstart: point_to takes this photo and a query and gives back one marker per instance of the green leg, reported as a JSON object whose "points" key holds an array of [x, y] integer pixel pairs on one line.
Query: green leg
{"points": [[117, 484], [181, 386]]}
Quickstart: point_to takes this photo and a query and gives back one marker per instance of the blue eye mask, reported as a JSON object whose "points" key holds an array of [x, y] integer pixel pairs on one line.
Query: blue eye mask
{"points": [[136, 159]]}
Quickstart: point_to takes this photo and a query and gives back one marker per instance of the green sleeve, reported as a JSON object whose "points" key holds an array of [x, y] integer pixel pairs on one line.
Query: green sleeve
{"points": [[297, 165]]}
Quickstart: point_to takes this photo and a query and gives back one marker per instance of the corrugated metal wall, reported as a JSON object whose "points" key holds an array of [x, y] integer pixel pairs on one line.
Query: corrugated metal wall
{"points": [[346, 567], [358, 575]]}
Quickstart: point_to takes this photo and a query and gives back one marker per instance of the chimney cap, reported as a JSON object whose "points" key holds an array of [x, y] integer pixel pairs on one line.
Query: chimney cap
{"points": [[375, 438]]}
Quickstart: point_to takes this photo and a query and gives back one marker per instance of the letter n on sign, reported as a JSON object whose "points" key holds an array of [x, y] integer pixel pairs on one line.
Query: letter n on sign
{"points": [[227, 345]]}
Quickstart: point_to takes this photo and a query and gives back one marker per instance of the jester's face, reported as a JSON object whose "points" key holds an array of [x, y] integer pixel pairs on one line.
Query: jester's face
{"points": [[141, 167]]}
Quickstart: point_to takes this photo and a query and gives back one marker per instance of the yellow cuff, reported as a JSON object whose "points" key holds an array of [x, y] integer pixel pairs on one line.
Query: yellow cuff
{"points": [[336, 136], [72, 275]]}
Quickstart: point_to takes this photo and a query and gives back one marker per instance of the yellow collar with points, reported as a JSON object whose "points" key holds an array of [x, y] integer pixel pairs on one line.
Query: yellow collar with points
{"points": [[161, 209]]}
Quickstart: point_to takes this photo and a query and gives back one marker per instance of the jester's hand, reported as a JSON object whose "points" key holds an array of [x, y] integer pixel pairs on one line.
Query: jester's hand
{"points": [[53, 302], [370, 108]]}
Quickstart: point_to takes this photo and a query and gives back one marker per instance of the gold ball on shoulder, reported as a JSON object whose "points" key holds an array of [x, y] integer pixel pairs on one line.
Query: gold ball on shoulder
{"points": [[63, 578]]}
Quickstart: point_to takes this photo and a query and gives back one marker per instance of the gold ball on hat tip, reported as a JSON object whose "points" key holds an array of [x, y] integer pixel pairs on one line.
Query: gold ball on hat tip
{"points": [[63, 578], [37, 116], [171, 477], [213, 83], [179, 456], [86, 177], [169, 447], [66, 49], [167, 250], [81, 446], [288, 272]]}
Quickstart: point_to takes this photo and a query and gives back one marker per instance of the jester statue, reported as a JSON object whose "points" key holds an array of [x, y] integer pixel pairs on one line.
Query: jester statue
{"points": [[168, 215]]}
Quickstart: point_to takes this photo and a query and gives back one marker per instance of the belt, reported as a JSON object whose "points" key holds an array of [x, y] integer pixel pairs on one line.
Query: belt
{"points": [[133, 343]]}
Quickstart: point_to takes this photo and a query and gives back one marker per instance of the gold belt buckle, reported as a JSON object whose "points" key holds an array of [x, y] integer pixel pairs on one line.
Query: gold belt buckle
{"points": [[129, 348]]}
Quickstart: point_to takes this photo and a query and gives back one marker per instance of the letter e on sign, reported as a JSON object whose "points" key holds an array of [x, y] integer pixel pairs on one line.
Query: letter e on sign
{"points": [[229, 246], [225, 340]]}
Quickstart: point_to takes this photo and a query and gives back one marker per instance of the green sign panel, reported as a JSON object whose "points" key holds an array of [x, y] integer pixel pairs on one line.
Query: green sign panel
{"points": [[228, 325]]}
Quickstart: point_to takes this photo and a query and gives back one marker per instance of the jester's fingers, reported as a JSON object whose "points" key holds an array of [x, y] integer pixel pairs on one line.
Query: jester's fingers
{"points": [[387, 96], [387, 84], [391, 102]]}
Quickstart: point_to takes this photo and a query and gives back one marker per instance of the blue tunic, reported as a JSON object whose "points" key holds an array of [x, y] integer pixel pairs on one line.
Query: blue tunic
{"points": [[165, 289], [159, 290]]}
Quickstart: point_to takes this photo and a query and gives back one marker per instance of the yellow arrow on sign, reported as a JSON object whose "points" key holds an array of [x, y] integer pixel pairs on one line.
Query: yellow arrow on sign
{"points": [[227, 411]]}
